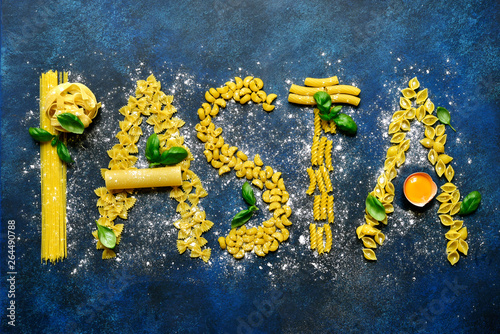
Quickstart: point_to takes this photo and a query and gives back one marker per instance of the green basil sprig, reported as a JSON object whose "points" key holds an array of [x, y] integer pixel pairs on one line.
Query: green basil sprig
{"points": [[444, 116], [170, 157], [243, 216], [344, 122], [106, 236], [470, 203], [71, 123], [42, 135], [375, 208], [247, 193]]}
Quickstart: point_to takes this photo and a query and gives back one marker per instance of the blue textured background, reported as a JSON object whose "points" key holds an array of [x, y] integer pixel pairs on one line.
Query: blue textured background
{"points": [[192, 45]]}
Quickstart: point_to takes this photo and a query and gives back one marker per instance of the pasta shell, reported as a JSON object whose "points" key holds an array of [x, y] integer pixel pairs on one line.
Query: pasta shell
{"points": [[405, 125], [453, 257], [369, 230], [388, 198], [389, 188], [451, 246], [446, 220], [445, 208], [404, 103], [414, 84], [422, 96], [427, 143], [398, 137], [394, 127], [411, 113], [401, 159], [398, 115], [389, 163], [443, 197], [389, 208], [404, 145], [463, 233], [380, 238], [369, 242], [369, 254], [446, 159], [359, 231], [420, 113], [430, 132], [463, 246], [392, 151], [440, 168], [457, 225], [382, 180], [452, 235], [455, 196], [448, 187], [429, 106], [408, 93], [441, 139], [391, 173], [379, 191], [429, 120], [371, 221], [449, 173], [432, 156], [440, 130]]}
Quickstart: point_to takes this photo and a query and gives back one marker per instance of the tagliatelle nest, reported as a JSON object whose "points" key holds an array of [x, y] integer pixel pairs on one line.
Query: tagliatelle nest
{"points": [[73, 98]]}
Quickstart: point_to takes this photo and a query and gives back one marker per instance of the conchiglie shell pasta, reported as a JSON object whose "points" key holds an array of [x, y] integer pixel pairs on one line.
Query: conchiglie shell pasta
{"points": [[453, 257], [369, 254], [369, 242]]}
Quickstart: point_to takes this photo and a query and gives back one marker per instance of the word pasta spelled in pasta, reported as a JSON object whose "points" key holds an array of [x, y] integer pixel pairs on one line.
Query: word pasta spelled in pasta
{"points": [[321, 150], [152, 102], [434, 140], [224, 157]]}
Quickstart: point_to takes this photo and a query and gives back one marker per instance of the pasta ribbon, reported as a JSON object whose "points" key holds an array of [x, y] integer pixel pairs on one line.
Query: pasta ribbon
{"points": [[74, 98]]}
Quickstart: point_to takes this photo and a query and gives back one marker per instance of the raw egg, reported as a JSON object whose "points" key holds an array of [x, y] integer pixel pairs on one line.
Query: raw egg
{"points": [[419, 189]]}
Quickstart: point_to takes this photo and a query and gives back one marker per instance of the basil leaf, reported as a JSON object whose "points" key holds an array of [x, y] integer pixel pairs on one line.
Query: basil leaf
{"points": [[40, 135], [173, 156], [324, 101], [444, 116], [63, 153], [106, 236], [153, 148], [54, 141], [375, 208], [242, 217], [71, 123], [470, 203], [247, 193], [346, 124]]}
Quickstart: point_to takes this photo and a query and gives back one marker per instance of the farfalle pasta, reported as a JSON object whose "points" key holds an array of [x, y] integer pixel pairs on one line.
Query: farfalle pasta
{"points": [[151, 102]]}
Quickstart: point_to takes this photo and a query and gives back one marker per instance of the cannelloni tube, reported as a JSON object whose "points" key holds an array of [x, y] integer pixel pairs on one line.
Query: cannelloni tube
{"points": [[143, 178]]}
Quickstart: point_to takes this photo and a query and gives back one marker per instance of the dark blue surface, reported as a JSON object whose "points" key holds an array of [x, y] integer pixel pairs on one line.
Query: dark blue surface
{"points": [[192, 45]]}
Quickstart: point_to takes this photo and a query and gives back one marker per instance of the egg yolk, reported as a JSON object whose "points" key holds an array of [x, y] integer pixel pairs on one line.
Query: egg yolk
{"points": [[418, 189]]}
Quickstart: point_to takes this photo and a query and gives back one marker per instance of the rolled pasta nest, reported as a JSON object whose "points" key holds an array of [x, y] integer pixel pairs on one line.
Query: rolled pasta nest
{"points": [[73, 98]]}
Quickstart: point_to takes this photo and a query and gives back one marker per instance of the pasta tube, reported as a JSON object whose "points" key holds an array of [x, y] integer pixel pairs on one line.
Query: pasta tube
{"points": [[143, 178], [336, 98], [322, 82]]}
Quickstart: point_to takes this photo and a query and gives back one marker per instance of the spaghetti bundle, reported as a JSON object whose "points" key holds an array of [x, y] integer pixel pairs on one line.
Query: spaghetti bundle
{"points": [[53, 178]]}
